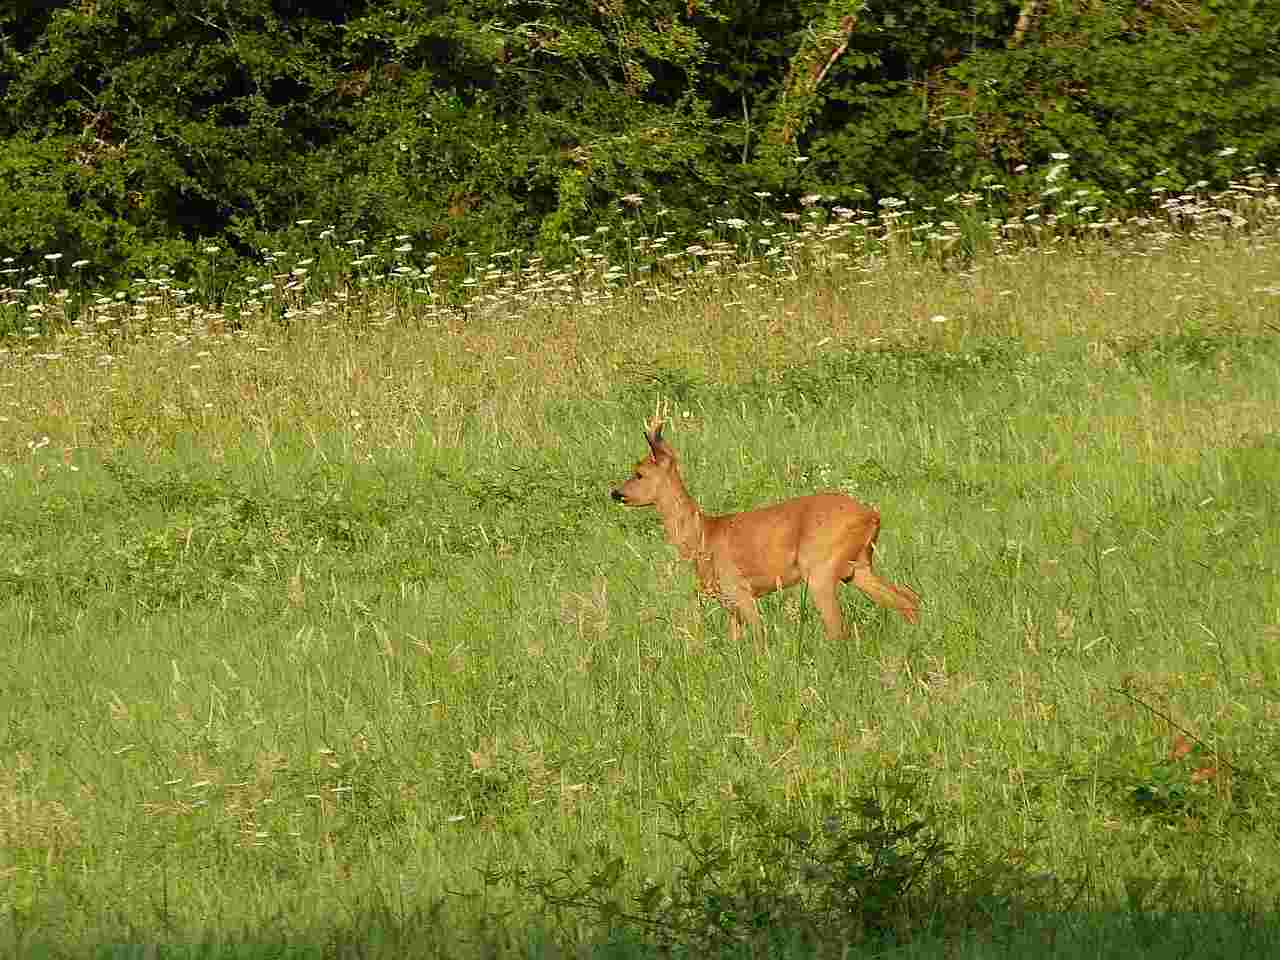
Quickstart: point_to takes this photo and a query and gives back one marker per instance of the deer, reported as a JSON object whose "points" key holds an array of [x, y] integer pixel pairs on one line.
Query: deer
{"points": [[822, 540]]}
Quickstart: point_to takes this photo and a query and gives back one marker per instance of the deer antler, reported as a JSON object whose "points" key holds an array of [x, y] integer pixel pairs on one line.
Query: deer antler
{"points": [[653, 429]]}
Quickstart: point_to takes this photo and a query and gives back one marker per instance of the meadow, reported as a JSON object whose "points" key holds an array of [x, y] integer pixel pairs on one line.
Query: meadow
{"points": [[323, 637]]}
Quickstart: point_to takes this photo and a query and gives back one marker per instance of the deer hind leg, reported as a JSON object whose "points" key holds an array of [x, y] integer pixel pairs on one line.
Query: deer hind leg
{"points": [[825, 597], [902, 599], [886, 594]]}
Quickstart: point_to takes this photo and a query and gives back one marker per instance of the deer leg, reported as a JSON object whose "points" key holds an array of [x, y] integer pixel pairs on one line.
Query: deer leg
{"points": [[744, 604], [825, 597], [886, 594], [903, 599]]}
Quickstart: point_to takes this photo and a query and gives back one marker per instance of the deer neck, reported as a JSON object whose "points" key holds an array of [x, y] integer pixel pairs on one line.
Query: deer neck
{"points": [[683, 520]]}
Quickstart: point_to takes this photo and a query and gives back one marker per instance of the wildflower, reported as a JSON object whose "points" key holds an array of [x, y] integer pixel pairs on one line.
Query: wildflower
{"points": [[52, 257], [76, 265], [1060, 156], [633, 199]]}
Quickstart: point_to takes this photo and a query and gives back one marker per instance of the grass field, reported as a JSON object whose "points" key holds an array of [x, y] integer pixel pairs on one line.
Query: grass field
{"points": [[317, 614]]}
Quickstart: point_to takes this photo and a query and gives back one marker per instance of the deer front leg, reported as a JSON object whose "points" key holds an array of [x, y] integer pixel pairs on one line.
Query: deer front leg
{"points": [[744, 608], [735, 626]]}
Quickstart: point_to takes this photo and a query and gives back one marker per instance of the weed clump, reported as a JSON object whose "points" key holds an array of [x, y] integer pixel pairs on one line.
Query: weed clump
{"points": [[875, 870]]}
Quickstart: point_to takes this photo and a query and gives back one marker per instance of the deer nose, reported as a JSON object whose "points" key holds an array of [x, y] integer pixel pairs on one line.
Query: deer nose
{"points": [[616, 494]]}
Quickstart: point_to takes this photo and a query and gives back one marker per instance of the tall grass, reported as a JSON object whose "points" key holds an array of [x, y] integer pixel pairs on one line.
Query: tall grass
{"points": [[323, 635]]}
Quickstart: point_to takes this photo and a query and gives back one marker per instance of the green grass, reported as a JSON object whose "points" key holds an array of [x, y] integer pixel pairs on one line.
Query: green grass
{"points": [[311, 629]]}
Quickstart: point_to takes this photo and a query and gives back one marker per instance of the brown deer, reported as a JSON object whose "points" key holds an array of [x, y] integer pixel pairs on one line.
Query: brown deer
{"points": [[823, 540]]}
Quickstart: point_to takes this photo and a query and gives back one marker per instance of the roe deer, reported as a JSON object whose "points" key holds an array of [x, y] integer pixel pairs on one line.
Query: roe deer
{"points": [[823, 539]]}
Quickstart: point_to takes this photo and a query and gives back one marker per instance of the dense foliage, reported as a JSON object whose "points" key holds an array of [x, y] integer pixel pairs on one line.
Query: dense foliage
{"points": [[141, 131]]}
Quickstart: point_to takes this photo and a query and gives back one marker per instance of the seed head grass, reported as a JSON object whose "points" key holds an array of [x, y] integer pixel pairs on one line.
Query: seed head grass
{"points": [[322, 630]]}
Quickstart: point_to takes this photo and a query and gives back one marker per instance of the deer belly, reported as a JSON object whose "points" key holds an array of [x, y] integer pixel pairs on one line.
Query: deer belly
{"points": [[761, 580]]}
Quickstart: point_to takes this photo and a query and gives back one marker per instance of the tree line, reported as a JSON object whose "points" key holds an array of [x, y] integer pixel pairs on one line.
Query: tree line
{"points": [[137, 131]]}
